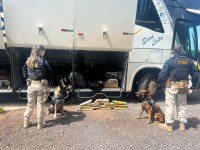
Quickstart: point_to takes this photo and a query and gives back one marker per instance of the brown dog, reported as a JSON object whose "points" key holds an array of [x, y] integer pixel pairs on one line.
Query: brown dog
{"points": [[58, 99], [151, 108]]}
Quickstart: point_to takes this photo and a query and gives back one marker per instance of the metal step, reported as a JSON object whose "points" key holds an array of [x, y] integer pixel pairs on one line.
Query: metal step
{"points": [[22, 92], [107, 92], [82, 93], [102, 90]]}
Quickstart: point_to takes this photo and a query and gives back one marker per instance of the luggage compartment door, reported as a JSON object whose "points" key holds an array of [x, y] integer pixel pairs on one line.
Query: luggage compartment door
{"points": [[104, 24], [33, 22]]}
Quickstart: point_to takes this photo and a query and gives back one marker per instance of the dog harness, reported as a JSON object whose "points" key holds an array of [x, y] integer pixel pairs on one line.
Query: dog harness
{"points": [[151, 102], [56, 99]]}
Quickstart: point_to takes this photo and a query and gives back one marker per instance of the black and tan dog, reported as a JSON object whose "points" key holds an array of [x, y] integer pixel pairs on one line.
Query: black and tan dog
{"points": [[155, 114], [58, 99]]}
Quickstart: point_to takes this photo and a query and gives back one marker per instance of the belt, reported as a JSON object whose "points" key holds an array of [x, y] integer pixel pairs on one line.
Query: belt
{"points": [[177, 82], [35, 81], [174, 82]]}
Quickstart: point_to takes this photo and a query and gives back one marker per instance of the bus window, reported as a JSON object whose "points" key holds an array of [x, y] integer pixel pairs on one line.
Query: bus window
{"points": [[191, 46], [198, 37], [1, 6], [185, 34], [147, 16]]}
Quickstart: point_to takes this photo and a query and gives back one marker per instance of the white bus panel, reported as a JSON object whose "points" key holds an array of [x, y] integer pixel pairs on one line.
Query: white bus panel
{"points": [[32, 22], [100, 24]]}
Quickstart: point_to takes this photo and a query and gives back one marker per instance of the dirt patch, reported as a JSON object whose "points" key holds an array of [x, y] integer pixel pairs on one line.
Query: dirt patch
{"points": [[15, 118], [11, 118]]}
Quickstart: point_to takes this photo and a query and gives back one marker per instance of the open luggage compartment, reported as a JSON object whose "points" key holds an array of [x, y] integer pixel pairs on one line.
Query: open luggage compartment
{"points": [[5, 74], [89, 67], [105, 67]]}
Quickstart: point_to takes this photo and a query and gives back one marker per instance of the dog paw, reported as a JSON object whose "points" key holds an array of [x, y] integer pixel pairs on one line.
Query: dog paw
{"points": [[148, 122], [64, 113], [55, 116], [138, 117]]}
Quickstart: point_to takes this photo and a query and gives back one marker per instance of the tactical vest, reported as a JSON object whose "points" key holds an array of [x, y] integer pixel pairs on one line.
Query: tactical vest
{"points": [[38, 72], [180, 69]]}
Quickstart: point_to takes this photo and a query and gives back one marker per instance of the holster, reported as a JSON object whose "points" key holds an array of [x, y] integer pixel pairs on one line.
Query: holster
{"points": [[47, 89], [183, 87], [28, 82], [46, 93], [44, 82], [168, 83], [182, 84]]}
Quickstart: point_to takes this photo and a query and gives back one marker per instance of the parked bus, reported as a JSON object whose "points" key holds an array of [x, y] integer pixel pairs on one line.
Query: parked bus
{"points": [[121, 43]]}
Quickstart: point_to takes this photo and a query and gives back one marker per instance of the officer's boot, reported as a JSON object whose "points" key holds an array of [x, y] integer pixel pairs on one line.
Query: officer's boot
{"points": [[26, 122], [182, 126], [166, 126], [41, 124]]}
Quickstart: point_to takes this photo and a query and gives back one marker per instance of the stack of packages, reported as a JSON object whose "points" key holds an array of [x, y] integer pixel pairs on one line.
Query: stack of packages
{"points": [[103, 104]]}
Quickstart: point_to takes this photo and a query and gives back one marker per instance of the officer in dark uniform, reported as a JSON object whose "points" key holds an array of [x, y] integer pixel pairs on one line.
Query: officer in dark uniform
{"points": [[35, 71], [175, 74]]}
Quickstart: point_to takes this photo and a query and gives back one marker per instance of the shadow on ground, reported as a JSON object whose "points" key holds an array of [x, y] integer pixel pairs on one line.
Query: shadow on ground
{"points": [[72, 116], [194, 98], [193, 122]]}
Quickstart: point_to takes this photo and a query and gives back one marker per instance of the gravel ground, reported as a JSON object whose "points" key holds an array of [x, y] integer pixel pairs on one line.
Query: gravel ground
{"points": [[100, 130]]}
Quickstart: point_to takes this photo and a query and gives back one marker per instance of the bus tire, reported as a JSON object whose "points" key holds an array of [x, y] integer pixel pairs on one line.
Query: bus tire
{"points": [[148, 82]]}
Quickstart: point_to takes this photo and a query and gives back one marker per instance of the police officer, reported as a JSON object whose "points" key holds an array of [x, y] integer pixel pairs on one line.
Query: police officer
{"points": [[35, 71], [175, 74]]}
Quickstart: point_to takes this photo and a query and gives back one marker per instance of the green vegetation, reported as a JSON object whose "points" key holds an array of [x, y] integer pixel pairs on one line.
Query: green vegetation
{"points": [[1, 110]]}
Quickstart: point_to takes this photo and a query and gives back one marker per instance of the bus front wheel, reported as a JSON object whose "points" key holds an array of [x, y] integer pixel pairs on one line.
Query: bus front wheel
{"points": [[148, 82]]}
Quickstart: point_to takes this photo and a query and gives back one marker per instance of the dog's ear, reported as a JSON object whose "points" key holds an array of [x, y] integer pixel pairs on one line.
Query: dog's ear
{"points": [[62, 81], [58, 89], [141, 93]]}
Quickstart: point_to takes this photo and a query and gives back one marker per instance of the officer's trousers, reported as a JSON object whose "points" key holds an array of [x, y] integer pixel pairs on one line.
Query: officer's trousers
{"points": [[35, 94], [175, 101]]}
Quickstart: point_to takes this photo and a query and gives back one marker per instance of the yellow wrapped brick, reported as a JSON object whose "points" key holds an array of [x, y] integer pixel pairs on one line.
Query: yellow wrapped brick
{"points": [[85, 103], [99, 100], [102, 106], [120, 108], [105, 108], [106, 100], [94, 104], [108, 104], [119, 102], [83, 107]]}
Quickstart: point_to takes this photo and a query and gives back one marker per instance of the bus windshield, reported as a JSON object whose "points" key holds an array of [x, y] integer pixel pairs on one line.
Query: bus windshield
{"points": [[188, 34]]}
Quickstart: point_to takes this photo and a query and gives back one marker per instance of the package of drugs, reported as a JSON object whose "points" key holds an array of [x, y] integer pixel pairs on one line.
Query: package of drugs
{"points": [[119, 102], [99, 100], [106, 100], [111, 83], [85, 103]]}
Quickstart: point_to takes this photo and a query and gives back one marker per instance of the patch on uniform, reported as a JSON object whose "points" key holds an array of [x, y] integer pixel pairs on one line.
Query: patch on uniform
{"points": [[35, 65], [183, 62]]}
